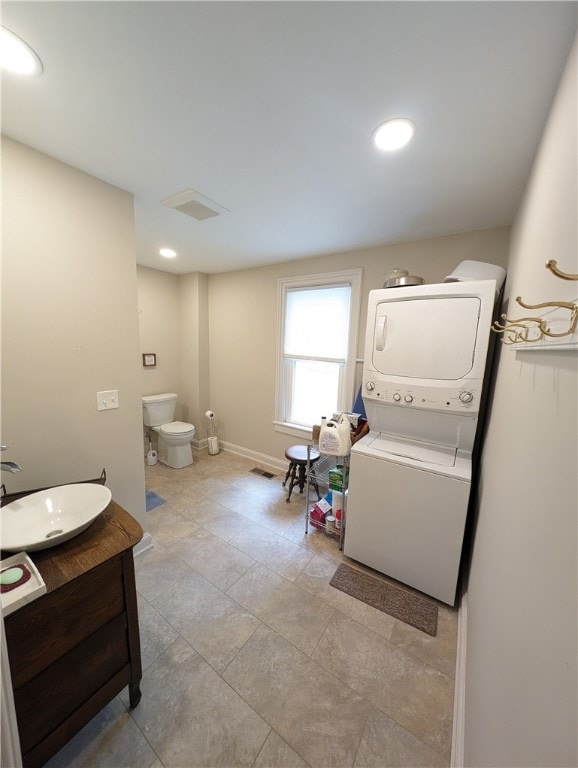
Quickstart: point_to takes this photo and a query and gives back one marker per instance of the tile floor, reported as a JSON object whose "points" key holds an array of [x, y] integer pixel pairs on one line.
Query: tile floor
{"points": [[250, 658]]}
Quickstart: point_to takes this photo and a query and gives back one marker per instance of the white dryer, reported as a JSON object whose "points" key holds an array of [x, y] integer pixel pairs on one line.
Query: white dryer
{"points": [[410, 478]]}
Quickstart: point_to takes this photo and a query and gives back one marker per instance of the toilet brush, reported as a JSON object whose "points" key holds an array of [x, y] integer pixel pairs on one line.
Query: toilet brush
{"points": [[151, 456]]}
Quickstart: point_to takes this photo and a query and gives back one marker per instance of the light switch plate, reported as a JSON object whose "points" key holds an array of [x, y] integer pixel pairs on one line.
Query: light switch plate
{"points": [[105, 401]]}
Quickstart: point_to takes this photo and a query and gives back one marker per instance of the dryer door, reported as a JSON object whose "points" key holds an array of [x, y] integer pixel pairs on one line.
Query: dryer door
{"points": [[429, 338]]}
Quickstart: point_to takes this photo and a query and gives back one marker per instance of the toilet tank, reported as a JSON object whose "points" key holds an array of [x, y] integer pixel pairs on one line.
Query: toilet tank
{"points": [[158, 409]]}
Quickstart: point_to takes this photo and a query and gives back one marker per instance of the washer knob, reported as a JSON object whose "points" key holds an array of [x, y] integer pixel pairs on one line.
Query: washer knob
{"points": [[370, 386], [408, 399], [466, 397], [397, 397]]}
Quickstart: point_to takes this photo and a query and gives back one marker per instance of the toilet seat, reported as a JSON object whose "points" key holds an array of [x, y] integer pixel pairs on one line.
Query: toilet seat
{"points": [[176, 429]]}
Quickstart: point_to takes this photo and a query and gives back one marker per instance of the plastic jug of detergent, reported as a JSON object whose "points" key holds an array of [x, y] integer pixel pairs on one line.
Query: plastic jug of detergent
{"points": [[335, 437]]}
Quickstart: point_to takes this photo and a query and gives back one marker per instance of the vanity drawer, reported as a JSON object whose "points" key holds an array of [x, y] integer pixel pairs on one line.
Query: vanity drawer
{"points": [[45, 630], [47, 700]]}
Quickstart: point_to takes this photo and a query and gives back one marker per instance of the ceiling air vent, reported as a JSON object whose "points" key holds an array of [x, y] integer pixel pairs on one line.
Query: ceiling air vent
{"points": [[195, 205]]}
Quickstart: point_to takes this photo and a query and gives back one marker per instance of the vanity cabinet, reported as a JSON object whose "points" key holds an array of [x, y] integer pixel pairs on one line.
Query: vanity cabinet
{"points": [[75, 648]]}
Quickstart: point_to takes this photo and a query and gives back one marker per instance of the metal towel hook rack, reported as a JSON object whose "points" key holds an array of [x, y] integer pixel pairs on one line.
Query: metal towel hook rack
{"points": [[531, 329], [553, 267]]}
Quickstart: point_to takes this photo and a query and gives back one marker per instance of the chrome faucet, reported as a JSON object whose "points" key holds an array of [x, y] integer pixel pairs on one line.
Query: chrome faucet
{"points": [[9, 466]]}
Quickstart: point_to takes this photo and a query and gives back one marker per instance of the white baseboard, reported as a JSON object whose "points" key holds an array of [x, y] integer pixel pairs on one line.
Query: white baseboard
{"points": [[458, 732], [145, 543], [260, 458]]}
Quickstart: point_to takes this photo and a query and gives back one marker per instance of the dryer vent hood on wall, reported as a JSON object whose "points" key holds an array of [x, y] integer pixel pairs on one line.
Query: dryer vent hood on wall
{"points": [[477, 270]]}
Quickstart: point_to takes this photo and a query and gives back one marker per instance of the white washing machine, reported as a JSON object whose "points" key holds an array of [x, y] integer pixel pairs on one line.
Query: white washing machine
{"points": [[410, 477], [406, 511]]}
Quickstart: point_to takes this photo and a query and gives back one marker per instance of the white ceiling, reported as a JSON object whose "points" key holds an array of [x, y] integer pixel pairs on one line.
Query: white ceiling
{"points": [[268, 108]]}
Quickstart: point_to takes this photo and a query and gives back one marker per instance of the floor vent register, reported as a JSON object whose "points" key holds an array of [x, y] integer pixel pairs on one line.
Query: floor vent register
{"points": [[262, 472]]}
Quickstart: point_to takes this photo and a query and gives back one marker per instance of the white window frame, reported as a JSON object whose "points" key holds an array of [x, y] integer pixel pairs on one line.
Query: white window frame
{"points": [[352, 277]]}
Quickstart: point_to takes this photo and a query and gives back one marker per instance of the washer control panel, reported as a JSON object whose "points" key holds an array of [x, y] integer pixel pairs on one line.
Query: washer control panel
{"points": [[457, 400]]}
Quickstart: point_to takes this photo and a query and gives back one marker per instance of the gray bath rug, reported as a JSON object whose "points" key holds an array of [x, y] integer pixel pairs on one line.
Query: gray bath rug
{"points": [[405, 606]]}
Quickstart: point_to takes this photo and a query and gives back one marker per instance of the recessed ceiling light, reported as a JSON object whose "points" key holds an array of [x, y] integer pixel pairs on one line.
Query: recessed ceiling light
{"points": [[168, 253], [394, 134], [16, 56]]}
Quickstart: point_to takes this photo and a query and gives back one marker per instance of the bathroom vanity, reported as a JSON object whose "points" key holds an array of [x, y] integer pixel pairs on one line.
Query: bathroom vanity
{"points": [[75, 648]]}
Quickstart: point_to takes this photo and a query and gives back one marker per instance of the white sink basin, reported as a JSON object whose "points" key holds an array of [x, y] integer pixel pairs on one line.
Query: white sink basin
{"points": [[47, 518]]}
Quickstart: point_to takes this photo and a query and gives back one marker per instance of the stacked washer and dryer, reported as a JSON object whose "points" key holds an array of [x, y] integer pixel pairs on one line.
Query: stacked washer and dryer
{"points": [[424, 371]]}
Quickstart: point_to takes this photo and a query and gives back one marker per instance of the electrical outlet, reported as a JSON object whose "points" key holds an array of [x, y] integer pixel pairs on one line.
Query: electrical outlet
{"points": [[105, 401]]}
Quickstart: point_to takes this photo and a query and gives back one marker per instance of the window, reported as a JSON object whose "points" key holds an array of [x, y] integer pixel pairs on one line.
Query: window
{"points": [[317, 344]]}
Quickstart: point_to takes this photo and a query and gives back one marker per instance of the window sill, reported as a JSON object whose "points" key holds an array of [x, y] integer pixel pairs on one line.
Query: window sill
{"points": [[303, 433]]}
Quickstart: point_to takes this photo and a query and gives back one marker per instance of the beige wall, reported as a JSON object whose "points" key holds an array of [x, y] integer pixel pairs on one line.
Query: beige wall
{"points": [[173, 315], [243, 324], [69, 328], [158, 309], [194, 379], [521, 676]]}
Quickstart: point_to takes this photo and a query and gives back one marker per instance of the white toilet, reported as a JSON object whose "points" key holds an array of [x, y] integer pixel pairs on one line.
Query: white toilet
{"points": [[174, 437]]}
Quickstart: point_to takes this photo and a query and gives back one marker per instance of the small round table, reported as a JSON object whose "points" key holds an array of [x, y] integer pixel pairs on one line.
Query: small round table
{"points": [[297, 455]]}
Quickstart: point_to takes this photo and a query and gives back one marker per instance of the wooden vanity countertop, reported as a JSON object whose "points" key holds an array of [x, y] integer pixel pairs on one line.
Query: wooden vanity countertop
{"points": [[114, 531]]}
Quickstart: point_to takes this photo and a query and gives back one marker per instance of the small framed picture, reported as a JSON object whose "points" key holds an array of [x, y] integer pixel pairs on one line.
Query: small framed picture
{"points": [[149, 360]]}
